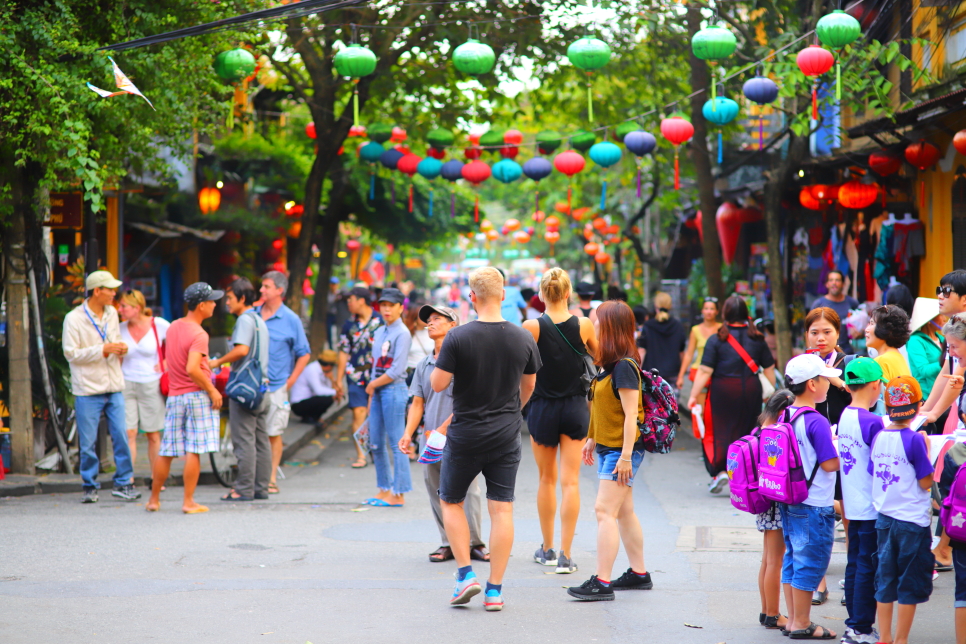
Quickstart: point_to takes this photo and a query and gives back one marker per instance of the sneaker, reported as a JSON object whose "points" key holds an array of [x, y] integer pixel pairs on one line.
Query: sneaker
{"points": [[871, 638], [90, 496], [126, 492], [592, 591], [848, 637], [545, 557], [565, 565], [493, 600], [465, 590], [842, 584], [630, 580], [717, 483], [843, 599]]}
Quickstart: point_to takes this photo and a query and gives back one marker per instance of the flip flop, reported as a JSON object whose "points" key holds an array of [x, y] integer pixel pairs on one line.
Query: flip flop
{"points": [[379, 503], [272, 488], [942, 567], [198, 510], [443, 553], [369, 501], [356, 465]]}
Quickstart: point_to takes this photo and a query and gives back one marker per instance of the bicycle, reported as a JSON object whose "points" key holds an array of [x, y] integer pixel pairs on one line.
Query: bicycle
{"points": [[223, 462]]}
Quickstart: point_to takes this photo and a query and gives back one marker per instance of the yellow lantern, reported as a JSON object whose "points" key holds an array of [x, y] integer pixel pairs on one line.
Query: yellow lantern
{"points": [[209, 199]]}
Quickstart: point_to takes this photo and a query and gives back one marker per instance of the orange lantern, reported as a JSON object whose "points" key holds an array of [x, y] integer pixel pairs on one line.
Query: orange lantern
{"points": [[579, 213], [552, 222], [601, 257], [295, 230], [486, 225], [855, 195], [825, 194], [591, 248], [512, 224], [209, 199], [492, 235], [562, 207], [539, 216], [613, 229], [599, 223], [521, 236]]}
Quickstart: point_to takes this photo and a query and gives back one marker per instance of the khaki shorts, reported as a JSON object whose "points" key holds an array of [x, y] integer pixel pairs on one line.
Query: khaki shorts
{"points": [[279, 410], [143, 406]]}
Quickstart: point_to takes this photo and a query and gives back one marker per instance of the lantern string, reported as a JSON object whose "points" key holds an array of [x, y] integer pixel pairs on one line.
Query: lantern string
{"points": [[355, 102], [536, 205], [569, 197], [372, 186], [815, 101], [677, 170], [410, 198], [720, 149], [476, 209], [430, 201], [603, 195], [838, 78], [590, 102], [761, 128]]}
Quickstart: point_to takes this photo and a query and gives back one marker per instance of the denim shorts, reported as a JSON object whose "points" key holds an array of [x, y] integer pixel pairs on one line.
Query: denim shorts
{"points": [[499, 468], [906, 562], [357, 396], [809, 533], [607, 458], [959, 564]]}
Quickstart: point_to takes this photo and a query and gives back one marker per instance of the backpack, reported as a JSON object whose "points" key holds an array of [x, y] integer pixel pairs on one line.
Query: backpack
{"points": [[245, 384], [952, 516], [658, 419], [781, 477], [742, 468]]}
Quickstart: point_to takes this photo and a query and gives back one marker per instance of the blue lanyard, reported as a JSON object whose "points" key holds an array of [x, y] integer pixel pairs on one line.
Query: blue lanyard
{"points": [[90, 317]]}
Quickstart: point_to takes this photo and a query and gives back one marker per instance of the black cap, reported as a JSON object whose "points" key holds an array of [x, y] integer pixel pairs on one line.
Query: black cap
{"points": [[201, 292], [585, 288], [361, 291], [393, 295]]}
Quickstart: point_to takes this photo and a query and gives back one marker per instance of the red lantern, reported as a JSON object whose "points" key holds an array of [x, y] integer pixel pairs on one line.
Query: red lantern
{"points": [[277, 244], [295, 230], [697, 225], [310, 130], [356, 131], [475, 139], [513, 224], [353, 245], [513, 137], [407, 165], [591, 248], [579, 213], [279, 266], [509, 151], [855, 195], [398, 135], [959, 141], [436, 154], [922, 155], [677, 130], [504, 230], [613, 229], [569, 163], [552, 236], [806, 198], [599, 224], [476, 172], [208, 200], [825, 194], [728, 222], [562, 207], [553, 222], [539, 216], [601, 257], [472, 153], [295, 211], [815, 61], [884, 163]]}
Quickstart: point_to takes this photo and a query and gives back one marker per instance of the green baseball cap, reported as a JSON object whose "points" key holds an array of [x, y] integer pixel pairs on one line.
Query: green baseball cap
{"points": [[862, 371]]}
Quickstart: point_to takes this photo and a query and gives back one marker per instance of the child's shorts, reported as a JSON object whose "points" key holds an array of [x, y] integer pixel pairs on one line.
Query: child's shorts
{"points": [[959, 564], [906, 562], [809, 532]]}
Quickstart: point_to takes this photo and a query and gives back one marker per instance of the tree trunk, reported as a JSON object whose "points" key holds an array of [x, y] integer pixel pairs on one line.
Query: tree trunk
{"points": [[710, 247], [318, 327], [301, 254], [19, 396]]}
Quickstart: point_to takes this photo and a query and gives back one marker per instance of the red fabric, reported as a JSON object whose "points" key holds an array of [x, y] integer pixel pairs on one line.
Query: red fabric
{"points": [[182, 338], [708, 441]]}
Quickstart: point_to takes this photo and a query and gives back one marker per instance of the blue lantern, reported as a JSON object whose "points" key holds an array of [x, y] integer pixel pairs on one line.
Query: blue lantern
{"points": [[604, 154], [763, 91], [371, 152], [430, 168], [452, 171], [537, 168], [390, 158], [640, 143], [720, 111], [507, 171]]}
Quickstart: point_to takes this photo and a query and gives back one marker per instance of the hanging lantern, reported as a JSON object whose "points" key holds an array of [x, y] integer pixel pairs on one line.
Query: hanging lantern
{"points": [[553, 223], [838, 30], [536, 169], [884, 163], [825, 194], [728, 224], [452, 171], [390, 158], [371, 152], [353, 245], [472, 153], [429, 168], [604, 154], [639, 143], [589, 54], [814, 61], [476, 172], [486, 225], [492, 235], [601, 257], [552, 238], [720, 111], [922, 155], [398, 135], [509, 151], [355, 61], [408, 165], [380, 132], [599, 224], [562, 207], [750, 215], [856, 195], [474, 58], [521, 237], [234, 66], [569, 163], [513, 137], [310, 130], [677, 130], [208, 200], [539, 216], [548, 141], [507, 171], [623, 130], [713, 43], [513, 224], [807, 200], [436, 153], [356, 131], [440, 138], [591, 248], [762, 91], [492, 140], [579, 213], [959, 141], [582, 140]]}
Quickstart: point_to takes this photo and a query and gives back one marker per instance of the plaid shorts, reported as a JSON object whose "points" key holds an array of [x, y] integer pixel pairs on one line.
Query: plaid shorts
{"points": [[190, 425]]}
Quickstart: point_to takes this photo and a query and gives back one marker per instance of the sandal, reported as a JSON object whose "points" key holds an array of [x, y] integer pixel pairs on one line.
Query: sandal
{"points": [[761, 618], [443, 553], [272, 488], [360, 463], [479, 553], [809, 633], [771, 621], [941, 567], [235, 496]]}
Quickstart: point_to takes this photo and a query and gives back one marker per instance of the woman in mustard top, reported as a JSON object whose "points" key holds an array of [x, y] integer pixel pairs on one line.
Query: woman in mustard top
{"points": [[614, 410]]}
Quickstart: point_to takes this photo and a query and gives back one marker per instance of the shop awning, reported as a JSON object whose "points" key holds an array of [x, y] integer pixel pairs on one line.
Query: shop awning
{"points": [[169, 230], [921, 114]]}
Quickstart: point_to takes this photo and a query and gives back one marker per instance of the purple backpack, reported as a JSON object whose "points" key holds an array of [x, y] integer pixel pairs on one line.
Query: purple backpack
{"points": [[742, 471], [952, 516], [781, 477]]}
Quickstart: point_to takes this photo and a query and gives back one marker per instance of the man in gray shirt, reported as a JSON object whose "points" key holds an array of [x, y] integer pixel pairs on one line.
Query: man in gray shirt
{"points": [[435, 411], [249, 435]]}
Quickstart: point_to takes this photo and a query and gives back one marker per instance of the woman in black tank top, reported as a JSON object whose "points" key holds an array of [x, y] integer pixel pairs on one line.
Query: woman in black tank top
{"points": [[558, 414]]}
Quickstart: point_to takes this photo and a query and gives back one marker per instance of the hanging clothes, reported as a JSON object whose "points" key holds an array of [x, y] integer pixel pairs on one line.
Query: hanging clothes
{"points": [[908, 243], [885, 257]]}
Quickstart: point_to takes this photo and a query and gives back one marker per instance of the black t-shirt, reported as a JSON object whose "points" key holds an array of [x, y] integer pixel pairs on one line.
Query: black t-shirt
{"points": [[487, 360], [625, 375], [725, 361], [663, 343]]}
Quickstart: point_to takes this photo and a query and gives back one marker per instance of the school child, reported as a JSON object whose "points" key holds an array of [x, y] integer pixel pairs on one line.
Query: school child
{"points": [[953, 461], [857, 429], [812, 521], [901, 478]]}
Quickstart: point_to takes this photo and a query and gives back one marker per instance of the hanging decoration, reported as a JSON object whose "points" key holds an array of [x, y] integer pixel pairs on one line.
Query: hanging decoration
{"points": [[639, 143], [825, 194], [371, 153], [677, 130], [814, 61], [591, 248], [473, 153], [492, 140], [762, 91], [390, 159], [512, 140], [209, 199], [959, 141], [233, 66], [476, 172], [727, 221], [589, 54], [884, 163], [720, 111], [355, 61], [474, 59], [624, 129], [569, 163], [856, 195], [605, 154], [440, 138], [380, 132], [548, 141], [807, 200], [922, 155], [521, 237], [713, 43], [127, 87], [582, 140], [310, 130], [408, 165], [507, 171], [552, 237], [430, 168], [838, 30], [356, 131], [452, 171], [602, 257], [536, 169]]}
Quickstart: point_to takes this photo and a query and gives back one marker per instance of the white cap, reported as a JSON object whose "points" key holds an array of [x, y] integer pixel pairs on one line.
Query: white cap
{"points": [[808, 366], [102, 279]]}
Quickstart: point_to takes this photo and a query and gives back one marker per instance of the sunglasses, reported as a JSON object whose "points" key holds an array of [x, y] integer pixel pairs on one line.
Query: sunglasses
{"points": [[711, 299], [945, 291]]}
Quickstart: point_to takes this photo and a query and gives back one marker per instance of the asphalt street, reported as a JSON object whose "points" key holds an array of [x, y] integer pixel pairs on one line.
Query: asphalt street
{"points": [[306, 566]]}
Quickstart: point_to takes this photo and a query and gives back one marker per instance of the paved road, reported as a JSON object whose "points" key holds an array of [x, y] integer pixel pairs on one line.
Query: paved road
{"points": [[306, 568]]}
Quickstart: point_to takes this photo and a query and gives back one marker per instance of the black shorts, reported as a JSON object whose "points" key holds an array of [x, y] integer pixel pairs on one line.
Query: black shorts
{"points": [[549, 418], [499, 468]]}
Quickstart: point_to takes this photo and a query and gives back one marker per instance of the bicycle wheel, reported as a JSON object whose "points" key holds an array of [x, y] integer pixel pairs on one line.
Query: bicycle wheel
{"points": [[223, 463]]}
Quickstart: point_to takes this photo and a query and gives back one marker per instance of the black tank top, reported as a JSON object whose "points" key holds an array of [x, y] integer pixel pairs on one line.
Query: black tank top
{"points": [[559, 377]]}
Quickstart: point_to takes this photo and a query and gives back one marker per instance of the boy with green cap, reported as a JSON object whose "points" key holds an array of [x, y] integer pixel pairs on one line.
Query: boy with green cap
{"points": [[857, 428]]}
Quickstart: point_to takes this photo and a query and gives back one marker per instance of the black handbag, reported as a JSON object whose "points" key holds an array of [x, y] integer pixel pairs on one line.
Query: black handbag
{"points": [[245, 384]]}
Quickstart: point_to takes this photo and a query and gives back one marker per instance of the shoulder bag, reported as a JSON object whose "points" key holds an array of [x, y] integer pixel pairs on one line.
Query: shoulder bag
{"points": [[590, 369], [767, 387], [245, 384], [165, 386]]}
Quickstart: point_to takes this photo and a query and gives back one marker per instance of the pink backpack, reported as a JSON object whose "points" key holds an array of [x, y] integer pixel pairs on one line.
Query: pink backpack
{"points": [[742, 464], [952, 516], [781, 477]]}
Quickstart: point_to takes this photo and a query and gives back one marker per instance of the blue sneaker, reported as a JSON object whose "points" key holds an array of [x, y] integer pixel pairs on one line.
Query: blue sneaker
{"points": [[465, 590], [493, 600]]}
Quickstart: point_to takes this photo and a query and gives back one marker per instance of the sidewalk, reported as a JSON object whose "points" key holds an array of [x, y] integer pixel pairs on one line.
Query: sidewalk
{"points": [[297, 435]]}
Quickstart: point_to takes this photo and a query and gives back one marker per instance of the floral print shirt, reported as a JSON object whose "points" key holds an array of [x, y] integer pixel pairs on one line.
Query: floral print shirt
{"points": [[356, 341]]}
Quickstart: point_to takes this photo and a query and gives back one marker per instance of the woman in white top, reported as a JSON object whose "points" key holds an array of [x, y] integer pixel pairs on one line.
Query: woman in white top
{"points": [[313, 392], [143, 402]]}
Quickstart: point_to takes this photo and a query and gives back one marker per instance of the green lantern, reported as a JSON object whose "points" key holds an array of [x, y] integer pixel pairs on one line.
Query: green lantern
{"points": [[492, 140], [474, 58], [582, 140], [380, 132], [234, 65], [712, 43], [589, 54], [837, 30], [355, 61], [548, 141], [624, 129], [440, 138]]}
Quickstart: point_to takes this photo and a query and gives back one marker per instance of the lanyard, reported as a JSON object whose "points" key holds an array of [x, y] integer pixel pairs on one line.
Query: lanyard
{"points": [[90, 317]]}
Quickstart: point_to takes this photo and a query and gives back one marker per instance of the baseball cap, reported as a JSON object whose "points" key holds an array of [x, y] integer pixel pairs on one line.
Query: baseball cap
{"points": [[392, 295], [585, 288], [445, 311], [861, 371], [102, 279], [333, 280], [361, 291], [201, 292], [902, 397], [808, 366]]}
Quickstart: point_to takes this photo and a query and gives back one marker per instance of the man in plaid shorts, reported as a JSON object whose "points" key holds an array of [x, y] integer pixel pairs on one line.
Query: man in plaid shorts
{"points": [[191, 415]]}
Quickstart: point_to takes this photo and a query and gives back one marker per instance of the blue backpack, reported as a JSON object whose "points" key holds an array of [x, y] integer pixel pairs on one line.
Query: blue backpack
{"points": [[245, 384]]}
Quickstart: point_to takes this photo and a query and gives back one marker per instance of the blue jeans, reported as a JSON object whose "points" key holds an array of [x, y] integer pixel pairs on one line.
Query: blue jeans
{"points": [[387, 422], [860, 575], [809, 533], [88, 410], [905, 562]]}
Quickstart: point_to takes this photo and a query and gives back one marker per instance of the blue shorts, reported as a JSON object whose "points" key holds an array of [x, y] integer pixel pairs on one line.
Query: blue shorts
{"points": [[959, 564], [906, 562], [357, 396], [809, 532], [607, 458]]}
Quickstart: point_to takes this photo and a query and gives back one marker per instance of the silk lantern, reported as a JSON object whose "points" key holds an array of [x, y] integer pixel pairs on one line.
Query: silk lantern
{"points": [[440, 138], [884, 163], [824, 193], [452, 171], [380, 132], [208, 200], [856, 195], [591, 248], [639, 143], [234, 66], [959, 141], [814, 61], [601, 257], [569, 163], [727, 221], [922, 155], [509, 151], [713, 43], [720, 111], [677, 130], [356, 131], [429, 168], [371, 153], [589, 54], [838, 30], [475, 59], [808, 200], [582, 140], [476, 172], [552, 223], [408, 165], [521, 237], [390, 159], [548, 141], [605, 154], [355, 61], [472, 153], [507, 171], [536, 169], [513, 137], [762, 91], [310, 130]]}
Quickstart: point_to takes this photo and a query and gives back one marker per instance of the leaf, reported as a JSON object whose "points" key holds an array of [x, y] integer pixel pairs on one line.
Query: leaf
{"points": [[71, 152], [88, 184]]}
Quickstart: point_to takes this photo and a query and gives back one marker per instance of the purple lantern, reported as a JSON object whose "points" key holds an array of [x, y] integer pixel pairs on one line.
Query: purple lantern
{"points": [[537, 168], [639, 143], [452, 171], [763, 91]]}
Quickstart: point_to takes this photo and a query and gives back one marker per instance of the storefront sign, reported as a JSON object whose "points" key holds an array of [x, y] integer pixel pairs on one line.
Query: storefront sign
{"points": [[66, 210]]}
